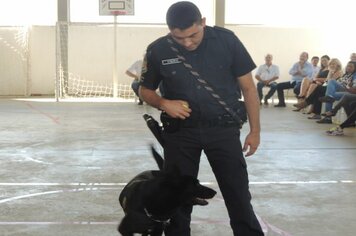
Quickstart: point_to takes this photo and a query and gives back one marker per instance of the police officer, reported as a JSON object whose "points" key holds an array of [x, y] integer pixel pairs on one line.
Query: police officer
{"points": [[200, 122]]}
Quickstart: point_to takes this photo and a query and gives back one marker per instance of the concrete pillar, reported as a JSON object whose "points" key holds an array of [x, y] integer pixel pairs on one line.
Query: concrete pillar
{"points": [[220, 13], [63, 18], [63, 12]]}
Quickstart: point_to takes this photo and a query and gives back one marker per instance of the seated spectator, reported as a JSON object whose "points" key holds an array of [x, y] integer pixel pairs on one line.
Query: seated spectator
{"points": [[309, 86], [337, 88], [335, 72], [345, 103], [349, 122], [135, 72], [266, 75], [300, 70], [316, 68], [344, 84], [353, 56]]}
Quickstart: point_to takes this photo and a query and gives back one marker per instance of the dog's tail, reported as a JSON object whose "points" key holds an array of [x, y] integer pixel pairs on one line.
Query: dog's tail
{"points": [[158, 158]]}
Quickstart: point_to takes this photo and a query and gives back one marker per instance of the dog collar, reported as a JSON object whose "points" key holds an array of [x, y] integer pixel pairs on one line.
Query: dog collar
{"points": [[149, 215]]}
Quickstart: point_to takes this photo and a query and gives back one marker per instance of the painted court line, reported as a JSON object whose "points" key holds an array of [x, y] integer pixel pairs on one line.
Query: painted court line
{"points": [[57, 223], [204, 183], [51, 192], [91, 187], [266, 227], [63, 184], [54, 119]]}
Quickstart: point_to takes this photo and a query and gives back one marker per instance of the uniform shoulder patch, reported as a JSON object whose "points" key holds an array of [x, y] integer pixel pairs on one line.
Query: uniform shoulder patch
{"points": [[144, 67]]}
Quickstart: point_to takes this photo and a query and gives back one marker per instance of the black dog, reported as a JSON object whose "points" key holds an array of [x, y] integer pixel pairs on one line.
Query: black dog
{"points": [[151, 198]]}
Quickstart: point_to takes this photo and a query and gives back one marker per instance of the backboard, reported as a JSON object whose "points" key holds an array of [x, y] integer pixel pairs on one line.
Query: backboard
{"points": [[116, 7]]}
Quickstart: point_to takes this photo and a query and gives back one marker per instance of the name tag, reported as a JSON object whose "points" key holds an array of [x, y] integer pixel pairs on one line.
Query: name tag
{"points": [[171, 61]]}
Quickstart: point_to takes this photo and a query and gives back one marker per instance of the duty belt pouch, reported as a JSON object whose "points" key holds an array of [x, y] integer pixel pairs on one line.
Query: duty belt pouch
{"points": [[241, 112], [170, 124]]}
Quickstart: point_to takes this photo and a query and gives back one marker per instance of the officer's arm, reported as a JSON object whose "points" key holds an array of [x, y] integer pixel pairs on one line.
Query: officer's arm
{"points": [[250, 95], [151, 97], [251, 101], [175, 108]]}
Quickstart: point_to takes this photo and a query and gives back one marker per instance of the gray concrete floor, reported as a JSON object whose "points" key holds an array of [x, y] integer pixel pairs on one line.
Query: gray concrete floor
{"points": [[64, 164]]}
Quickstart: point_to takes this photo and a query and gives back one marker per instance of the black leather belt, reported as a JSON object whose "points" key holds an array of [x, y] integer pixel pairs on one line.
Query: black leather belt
{"points": [[221, 121]]}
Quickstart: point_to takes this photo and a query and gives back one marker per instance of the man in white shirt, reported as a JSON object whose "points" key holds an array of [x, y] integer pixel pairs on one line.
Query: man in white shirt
{"points": [[266, 75], [135, 72], [316, 68]]}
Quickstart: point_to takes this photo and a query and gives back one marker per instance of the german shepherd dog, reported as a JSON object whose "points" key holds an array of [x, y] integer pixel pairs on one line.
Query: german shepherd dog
{"points": [[151, 198]]}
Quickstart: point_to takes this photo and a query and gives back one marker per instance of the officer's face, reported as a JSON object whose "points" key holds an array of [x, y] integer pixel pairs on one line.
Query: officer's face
{"points": [[191, 37]]}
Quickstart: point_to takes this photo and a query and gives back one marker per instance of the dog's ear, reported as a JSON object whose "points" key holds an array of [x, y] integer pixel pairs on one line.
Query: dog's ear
{"points": [[158, 158]]}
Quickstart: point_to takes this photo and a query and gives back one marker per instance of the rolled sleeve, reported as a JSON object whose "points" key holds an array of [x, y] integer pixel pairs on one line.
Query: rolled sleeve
{"points": [[243, 62]]}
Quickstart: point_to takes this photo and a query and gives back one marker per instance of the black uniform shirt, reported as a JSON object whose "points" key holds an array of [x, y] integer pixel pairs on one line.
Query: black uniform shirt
{"points": [[220, 59]]}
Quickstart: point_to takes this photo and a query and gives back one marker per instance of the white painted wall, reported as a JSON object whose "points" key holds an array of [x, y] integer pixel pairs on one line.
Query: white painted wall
{"points": [[286, 44], [42, 60], [12, 65], [91, 51]]}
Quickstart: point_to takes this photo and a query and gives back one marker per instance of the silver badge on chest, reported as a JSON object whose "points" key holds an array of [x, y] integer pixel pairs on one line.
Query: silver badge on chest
{"points": [[171, 61]]}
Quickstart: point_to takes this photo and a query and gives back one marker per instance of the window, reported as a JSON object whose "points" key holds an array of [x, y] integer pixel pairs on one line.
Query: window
{"points": [[289, 13], [146, 11], [28, 12]]}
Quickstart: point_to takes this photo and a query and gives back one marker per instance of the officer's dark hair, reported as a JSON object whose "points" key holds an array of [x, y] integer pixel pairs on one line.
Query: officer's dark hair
{"points": [[315, 57], [182, 15]]}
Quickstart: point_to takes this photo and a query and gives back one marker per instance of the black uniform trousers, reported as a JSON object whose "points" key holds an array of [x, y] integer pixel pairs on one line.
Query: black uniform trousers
{"points": [[223, 149]]}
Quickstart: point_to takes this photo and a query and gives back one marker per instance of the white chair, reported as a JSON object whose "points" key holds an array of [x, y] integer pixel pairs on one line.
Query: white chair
{"points": [[339, 117]]}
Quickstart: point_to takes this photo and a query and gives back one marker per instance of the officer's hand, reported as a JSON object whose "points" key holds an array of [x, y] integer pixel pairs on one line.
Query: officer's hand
{"points": [[251, 143], [177, 109]]}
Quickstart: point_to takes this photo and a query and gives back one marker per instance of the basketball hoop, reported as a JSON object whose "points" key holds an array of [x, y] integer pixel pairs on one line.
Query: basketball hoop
{"points": [[118, 13], [116, 7]]}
